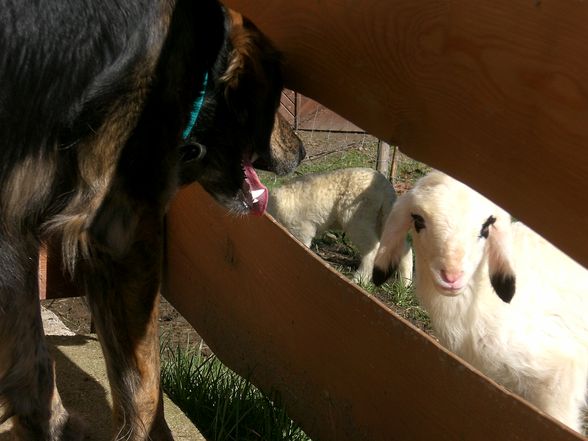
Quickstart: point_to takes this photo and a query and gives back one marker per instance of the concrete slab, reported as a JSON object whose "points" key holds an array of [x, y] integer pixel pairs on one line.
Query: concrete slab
{"points": [[83, 385]]}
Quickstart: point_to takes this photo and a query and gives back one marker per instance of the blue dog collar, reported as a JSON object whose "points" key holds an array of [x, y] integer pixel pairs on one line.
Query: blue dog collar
{"points": [[196, 107]]}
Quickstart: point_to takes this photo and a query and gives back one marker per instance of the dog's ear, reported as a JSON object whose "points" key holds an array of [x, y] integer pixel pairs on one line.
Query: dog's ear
{"points": [[253, 70]]}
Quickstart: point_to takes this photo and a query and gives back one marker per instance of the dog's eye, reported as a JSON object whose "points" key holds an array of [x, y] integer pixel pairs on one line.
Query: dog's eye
{"points": [[486, 227], [419, 222]]}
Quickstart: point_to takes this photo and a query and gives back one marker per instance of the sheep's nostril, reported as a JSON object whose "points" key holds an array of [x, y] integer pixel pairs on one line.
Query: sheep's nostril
{"points": [[451, 276]]}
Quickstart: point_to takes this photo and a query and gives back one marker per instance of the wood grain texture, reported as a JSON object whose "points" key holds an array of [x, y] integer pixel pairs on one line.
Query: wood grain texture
{"points": [[53, 283], [494, 92], [346, 367]]}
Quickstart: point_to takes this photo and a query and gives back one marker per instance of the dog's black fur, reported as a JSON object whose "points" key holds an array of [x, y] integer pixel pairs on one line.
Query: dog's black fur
{"points": [[93, 100]]}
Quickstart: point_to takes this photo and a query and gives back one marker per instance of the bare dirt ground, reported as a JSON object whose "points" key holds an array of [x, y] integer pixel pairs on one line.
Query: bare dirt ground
{"points": [[174, 329]]}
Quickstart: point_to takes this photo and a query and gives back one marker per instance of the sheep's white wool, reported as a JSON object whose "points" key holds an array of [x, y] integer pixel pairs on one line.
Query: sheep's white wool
{"points": [[536, 345], [355, 200]]}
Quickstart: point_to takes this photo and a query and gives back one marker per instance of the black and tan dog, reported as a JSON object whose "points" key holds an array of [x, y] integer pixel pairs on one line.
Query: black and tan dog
{"points": [[96, 101], [238, 109]]}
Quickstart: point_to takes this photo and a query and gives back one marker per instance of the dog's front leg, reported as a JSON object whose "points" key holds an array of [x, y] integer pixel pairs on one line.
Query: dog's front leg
{"points": [[124, 299], [27, 380]]}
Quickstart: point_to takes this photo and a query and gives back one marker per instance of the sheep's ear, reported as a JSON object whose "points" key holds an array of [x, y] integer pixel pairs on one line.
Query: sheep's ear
{"points": [[393, 246], [500, 268]]}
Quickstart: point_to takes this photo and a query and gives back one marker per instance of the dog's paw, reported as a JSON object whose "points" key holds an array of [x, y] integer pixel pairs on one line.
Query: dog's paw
{"points": [[64, 427], [74, 429], [160, 431]]}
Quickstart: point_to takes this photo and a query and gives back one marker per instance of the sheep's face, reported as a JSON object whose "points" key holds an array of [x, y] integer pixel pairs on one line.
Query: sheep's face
{"points": [[450, 228], [455, 232]]}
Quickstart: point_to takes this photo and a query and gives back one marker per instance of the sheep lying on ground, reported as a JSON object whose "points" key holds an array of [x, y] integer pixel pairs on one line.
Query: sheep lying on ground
{"points": [[355, 200], [467, 251]]}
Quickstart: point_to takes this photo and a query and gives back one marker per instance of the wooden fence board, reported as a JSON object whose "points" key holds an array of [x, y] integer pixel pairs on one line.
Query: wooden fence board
{"points": [[288, 106], [495, 92], [313, 116], [346, 367], [53, 283]]}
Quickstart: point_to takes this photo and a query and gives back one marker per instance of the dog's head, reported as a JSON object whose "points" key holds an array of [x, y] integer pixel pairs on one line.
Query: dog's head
{"points": [[235, 123]]}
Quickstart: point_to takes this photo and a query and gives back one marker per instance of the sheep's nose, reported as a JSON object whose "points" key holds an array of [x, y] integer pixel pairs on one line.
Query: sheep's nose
{"points": [[451, 276]]}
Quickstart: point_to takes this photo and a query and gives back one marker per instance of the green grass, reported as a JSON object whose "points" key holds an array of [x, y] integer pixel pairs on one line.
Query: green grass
{"points": [[396, 296], [410, 170], [334, 161], [403, 301], [223, 405]]}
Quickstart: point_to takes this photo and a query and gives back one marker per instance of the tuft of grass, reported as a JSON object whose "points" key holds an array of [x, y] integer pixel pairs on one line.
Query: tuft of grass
{"points": [[337, 160], [403, 300], [337, 239], [223, 405]]}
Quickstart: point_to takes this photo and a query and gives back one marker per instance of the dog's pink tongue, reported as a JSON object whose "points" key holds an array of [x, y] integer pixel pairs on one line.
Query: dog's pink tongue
{"points": [[258, 191]]}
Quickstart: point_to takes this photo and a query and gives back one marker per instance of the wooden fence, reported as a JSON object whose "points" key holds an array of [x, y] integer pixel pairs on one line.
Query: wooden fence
{"points": [[492, 91], [304, 113], [347, 367]]}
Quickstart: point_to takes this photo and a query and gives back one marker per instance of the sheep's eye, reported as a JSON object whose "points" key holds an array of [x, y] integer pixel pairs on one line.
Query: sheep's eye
{"points": [[486, 227], [419, 222]]}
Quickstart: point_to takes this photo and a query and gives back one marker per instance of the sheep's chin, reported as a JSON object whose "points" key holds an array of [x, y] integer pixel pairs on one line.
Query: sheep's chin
{"points": [[449, 292], [447, 289]]}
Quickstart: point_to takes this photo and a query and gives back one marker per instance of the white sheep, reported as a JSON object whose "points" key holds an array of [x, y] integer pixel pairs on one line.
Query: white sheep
{"points": [[467, 251], [355, 200]]}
